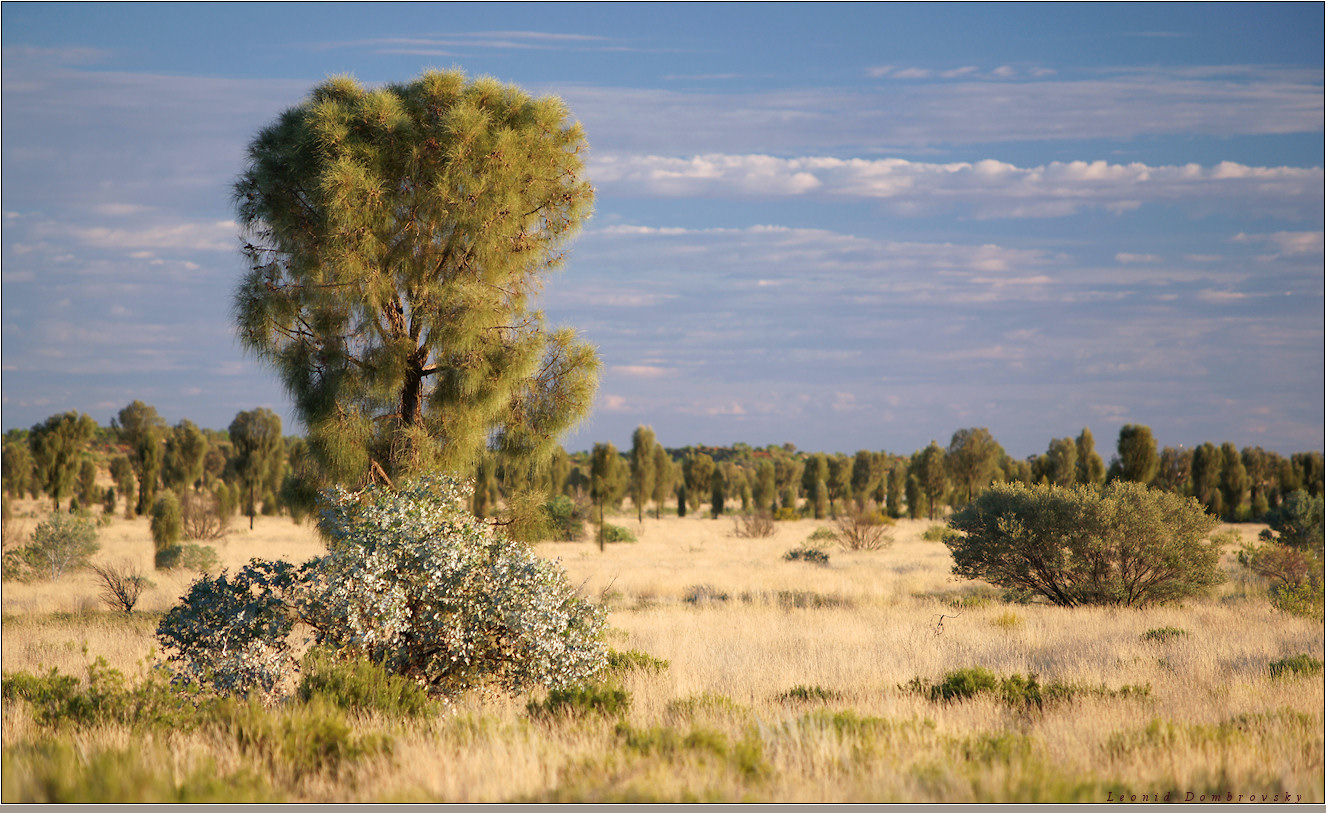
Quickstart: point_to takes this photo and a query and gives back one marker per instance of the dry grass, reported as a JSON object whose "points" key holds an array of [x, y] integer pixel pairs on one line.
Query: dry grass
{"points": [[720, 724]]}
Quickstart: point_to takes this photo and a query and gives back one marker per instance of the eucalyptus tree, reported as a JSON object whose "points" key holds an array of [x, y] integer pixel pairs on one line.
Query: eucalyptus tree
{"points": [[57, 451], [1207, 463], [764, 488], [1234, 479], [928, 466], [606, 482], [395, 237], [1059, 463], [19, 476], [642, 468], [186, 451], [122, 472], [697, 470], [815, 475]]}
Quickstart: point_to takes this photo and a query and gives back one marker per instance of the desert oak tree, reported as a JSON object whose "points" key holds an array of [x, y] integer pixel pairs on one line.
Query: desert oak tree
{"points": [[394, 238]]}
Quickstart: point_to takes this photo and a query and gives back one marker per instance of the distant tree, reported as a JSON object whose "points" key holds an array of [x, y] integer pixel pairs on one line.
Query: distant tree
{"points": [[931, 476], [483, 502], [559, 471], [257, 438], [815, 473], [764, 489], [1137, 459], [1207, 462], [863, 477], [186, 451], [839, 481], [1308, 468], [1174, 471], [139, 427], [697, 470], [664, 477], [681, 498], [122, 472], [717, 491], [1233, 479], [606, 481], [1260, 467], [972, 460], [19, 477], [57, 451], [787, 476], [897, 486], [88, 493], [1090, 466], [395, 237], [916, 504], [642, 468], [1059, 466]]}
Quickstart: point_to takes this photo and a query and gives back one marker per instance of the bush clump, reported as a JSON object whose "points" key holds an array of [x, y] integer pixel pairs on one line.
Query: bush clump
{"points": [[61, 542], [616, 533], [864, 530], [412, 582], [565, 518], [1161, 635], [814, 556], [1127, 545], [357, 684], [1301, 665], [579, 701]]}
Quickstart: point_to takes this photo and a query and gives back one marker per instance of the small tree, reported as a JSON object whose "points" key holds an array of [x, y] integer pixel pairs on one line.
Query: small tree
{"points": [[121, 585], [57, 449], [717, 491], [167, 527], [643, 471], [664, 475], [59, 543], [1128, 545]]}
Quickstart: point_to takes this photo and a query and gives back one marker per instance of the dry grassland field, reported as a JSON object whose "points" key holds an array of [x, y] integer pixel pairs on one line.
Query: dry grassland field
{"points": [[785, 681]]}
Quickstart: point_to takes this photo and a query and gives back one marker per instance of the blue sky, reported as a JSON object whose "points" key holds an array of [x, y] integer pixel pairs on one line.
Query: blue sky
{"points": [[844, 226]]}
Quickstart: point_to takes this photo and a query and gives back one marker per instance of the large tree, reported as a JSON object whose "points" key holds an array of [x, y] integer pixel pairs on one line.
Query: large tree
{"points": [[1138, 460], [395, 237], [186, 450]]}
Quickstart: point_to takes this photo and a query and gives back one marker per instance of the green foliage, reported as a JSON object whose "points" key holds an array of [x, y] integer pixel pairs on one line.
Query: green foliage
{"points": [[1300, 665], [619, 663], [57, 451], [357, 684], [643, 471], [1298, 522], [580, 701], [745, 756], [1162, 635], [1306, 600], [418, 218], [809, 694], [616, 533], [167, 521], [938, 533], [1016, 691], [823, 535], [566, 519], [807, 554], [60, 543], [1126, 545]]}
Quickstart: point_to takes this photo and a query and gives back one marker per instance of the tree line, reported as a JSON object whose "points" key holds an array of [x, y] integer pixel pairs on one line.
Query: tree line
{"points": [[250, 467]]}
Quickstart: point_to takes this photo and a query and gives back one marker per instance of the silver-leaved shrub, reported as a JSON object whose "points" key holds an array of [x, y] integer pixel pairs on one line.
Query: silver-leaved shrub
{"points": [[414, 582]]}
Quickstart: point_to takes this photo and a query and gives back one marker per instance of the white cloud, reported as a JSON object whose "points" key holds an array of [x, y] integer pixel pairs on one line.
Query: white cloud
{"points": [[994, 189], [641, 370], [1293, 243]]}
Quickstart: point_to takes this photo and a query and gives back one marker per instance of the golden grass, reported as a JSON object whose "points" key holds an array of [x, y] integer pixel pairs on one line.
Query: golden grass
{"points": [[718, 724]]}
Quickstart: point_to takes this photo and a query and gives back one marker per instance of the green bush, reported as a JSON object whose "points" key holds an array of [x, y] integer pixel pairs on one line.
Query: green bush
{"points": [[964, 683], [1162, 634], [1298, 521], [823, 535], [1127, 545], [619, 663], [167, 522], [1306, 600], [1015, 690], [579, 701], [356, 684], [814, 556], [937, 533], [1301, 665], [616, 533], [566, 519], [809, 694], [59, 543]]}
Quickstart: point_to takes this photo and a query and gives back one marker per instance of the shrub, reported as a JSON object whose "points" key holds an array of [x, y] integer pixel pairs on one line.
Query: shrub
{"points": [[823, 535], [864, 530], [754, 526], [566, 518], [964, 683], [1301, 665], [1163, 634], [937, 533], [1127, 545], [60, 542], [356, 684], [619, 663], [1298, 522], [578, 701], [413, 582], [167, 521], [809, 694], [121, 585], [704, 594], [616, 533], [786, 514], [811, 555]]}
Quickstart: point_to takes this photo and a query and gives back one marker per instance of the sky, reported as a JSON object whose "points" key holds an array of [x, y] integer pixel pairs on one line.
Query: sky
{"points": [[843, 226]]}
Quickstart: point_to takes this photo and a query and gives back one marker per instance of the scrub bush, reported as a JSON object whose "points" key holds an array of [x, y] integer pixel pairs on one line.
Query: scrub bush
{"points": [[60, 542], [412, 582], [1126, 545]]}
